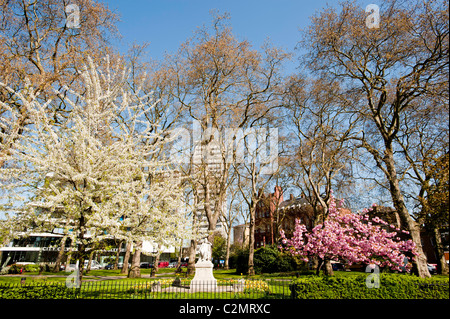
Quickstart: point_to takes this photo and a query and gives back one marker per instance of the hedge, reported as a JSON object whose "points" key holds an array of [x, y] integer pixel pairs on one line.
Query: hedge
{"points": [[392, 286], [44, 291], [15, 268]]}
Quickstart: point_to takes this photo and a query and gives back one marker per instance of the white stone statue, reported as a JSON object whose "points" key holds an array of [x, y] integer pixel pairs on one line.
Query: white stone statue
{"points": [[204, 279], [205, 250]]}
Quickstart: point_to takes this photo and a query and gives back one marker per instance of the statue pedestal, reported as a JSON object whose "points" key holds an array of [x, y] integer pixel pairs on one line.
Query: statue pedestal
{"points": [[203, 279]]}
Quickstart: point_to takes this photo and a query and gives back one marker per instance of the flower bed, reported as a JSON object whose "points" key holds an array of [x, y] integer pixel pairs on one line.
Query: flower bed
{"points": [[245, 286]]}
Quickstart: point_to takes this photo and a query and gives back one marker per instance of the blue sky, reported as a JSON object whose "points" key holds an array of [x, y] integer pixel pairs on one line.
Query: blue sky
{"points": [[165, 24]]}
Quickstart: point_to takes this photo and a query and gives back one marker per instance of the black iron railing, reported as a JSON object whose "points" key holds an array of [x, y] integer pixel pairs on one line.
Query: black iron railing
{"points": [[152, 289]]}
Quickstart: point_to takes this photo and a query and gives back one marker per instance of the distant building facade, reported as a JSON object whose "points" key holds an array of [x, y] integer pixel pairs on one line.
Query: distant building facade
{"points": [[241, 235], [43, 248], [273, 214]]}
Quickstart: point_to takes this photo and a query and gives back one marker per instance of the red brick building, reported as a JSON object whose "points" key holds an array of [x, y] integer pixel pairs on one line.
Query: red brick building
{"points": [[273, 214]]}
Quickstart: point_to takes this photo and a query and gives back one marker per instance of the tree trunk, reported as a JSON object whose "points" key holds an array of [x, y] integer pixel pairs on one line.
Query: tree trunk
{"points": [[315, 263], [442, 266], [420, 263], [156, 264], [88, 268], [179, 258], [324, 264], [192, 253], [80, 268], [227, 254], [126, 258], [212, 228], [60, 254], [319, 266], [116, 261], [328, 268], [193, 245], [211, 214], [251, 248], [135, 271], [68, 257], [81, 248]]}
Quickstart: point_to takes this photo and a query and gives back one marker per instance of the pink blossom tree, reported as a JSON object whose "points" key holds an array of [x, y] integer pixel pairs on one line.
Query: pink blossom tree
{"points": [[351, 238]]}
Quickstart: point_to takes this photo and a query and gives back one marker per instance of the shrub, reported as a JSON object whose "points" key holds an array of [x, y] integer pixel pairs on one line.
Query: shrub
{"points": [[269, 259], [32, 268], [46, 291], [265, 259], [392, 286], [240, 261], [15, 269]]}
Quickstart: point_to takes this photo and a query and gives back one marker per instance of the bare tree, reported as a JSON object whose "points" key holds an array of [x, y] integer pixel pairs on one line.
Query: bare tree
{"points": [[215, 79], [322, 140], [388, 70], [321, 144], [253, 178]]}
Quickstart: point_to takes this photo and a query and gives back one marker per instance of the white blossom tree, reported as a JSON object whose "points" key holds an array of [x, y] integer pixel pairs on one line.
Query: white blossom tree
{"points": [[100, 169]]}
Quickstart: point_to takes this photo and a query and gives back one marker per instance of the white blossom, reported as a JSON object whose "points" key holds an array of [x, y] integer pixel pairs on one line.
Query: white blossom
{"points": [[100, 171]]}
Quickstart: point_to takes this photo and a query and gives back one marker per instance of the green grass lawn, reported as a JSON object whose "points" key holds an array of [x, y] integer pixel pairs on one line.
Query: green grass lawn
{"points": [[95, 274], [219, 274]]}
